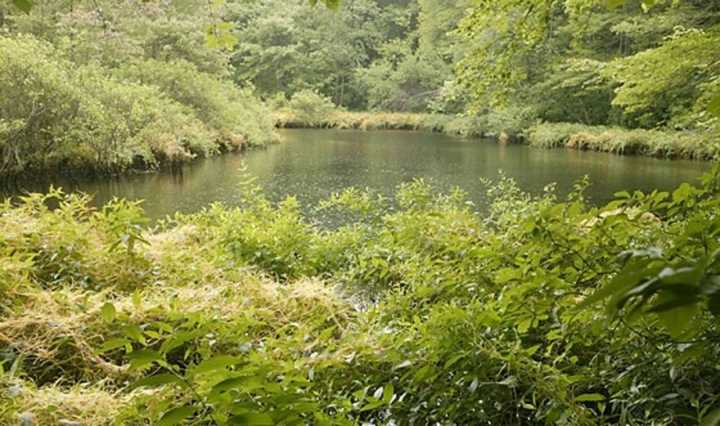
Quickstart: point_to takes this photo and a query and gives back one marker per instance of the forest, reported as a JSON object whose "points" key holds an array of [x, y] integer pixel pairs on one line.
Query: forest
{"points": [[419, 307]]}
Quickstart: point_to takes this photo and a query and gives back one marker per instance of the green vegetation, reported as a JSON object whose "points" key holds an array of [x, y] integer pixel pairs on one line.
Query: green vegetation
{"points": [[90, 90], [425, 313], [113, 86], [414, 310], [678, 144]]}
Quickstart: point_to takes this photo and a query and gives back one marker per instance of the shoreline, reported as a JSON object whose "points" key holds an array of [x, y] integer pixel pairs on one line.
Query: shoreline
{"points": [[664, 144]]}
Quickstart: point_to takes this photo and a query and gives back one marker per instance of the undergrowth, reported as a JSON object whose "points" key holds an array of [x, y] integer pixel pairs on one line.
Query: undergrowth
{"points": [[424, 313]]}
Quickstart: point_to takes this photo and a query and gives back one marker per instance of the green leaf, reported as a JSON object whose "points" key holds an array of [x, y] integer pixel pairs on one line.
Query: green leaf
{"points": [[711, 419], [388, 393], [24, 5], [134, 332], [179, 339], [252, 419], [108, 312], [714, 106], [677, 321], [155, 381], [690, 276], [614, 4], [216, 363], [714, 304], [634, 271], [590, 397], [176, 415], [226, 385], [144, 358], [113, 344]]}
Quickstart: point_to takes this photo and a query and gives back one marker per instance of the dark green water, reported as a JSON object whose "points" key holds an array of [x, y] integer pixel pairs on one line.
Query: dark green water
{"points": [[313, 164]]}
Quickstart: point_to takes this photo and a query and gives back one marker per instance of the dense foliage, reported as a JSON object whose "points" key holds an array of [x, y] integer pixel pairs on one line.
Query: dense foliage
{"points": [[487, 68], [416, 310], [106, 88]]}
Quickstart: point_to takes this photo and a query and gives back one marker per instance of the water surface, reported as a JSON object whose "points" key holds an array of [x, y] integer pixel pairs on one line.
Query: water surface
{"points": [[312, 164]]}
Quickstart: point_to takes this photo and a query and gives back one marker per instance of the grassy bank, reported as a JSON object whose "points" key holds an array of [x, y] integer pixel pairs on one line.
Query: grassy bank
{"points": [[654, 143], [428, 312], [381, 121], [694, 145]]}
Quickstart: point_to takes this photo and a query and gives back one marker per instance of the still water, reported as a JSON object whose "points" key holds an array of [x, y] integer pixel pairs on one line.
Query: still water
{"points": [[312, 164]]}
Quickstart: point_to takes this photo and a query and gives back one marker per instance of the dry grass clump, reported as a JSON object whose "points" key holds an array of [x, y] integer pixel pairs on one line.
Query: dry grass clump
{"points": [[78, 405], [56, 334], [246, 298], [363, 121], [180, 256]]}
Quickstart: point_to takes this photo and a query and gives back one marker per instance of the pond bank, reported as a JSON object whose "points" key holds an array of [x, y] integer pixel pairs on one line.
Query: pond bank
{"points": [[691, 145]]}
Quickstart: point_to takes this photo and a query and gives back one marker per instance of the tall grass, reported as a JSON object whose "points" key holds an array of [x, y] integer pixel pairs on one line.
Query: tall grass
{"points": [[655, 143], [467, 126]]}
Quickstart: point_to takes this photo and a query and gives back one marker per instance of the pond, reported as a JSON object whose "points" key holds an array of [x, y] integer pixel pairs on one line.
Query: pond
{"points": [[312, 164]]}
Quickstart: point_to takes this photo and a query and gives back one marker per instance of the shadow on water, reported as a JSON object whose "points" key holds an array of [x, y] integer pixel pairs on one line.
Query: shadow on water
{"points": [[312, 164]]}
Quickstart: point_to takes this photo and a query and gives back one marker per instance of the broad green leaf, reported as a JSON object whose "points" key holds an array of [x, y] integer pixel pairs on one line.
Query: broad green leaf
{"points": [[134, 332], [108, 312], [24, 5], [614, 4], [634, 271], [388, 393], [216, 363], [677, 320], [228, 384], [179, 339], [252, 419], [688, 276], [111, 344], [711, 419], [590, 397], [157, 380], [714, 304], [144, 358], [714, 106], [176, 415]]}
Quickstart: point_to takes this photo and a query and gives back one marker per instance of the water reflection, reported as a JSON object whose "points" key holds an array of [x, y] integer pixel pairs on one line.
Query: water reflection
{"points": [[312, 164]]}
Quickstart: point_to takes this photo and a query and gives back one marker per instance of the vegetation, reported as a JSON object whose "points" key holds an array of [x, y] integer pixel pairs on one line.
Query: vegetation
{"points": [[115, 85], [483, 318], [678, 144], [411, 310], [106, 90]]}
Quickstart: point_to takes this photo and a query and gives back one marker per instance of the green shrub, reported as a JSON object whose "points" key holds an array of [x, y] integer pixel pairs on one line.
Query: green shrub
{"points": [[57, 116], [311, 107], [417, 309], [236, 116]]}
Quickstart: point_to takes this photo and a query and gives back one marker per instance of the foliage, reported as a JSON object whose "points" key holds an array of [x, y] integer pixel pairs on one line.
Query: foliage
{"points": [[416, 309], [665, 144], [232, 112], [64, 117], [82, 97], [310, 107]]}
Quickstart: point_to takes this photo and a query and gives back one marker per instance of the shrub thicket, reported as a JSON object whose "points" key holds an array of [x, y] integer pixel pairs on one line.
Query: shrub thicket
{"points": [[61, 116], [423, 312]]}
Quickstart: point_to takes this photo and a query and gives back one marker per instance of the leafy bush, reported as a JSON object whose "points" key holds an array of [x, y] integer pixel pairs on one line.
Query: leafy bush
{"points": [[233, 113], [417, 309], [57, 116], [311, 107]]}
